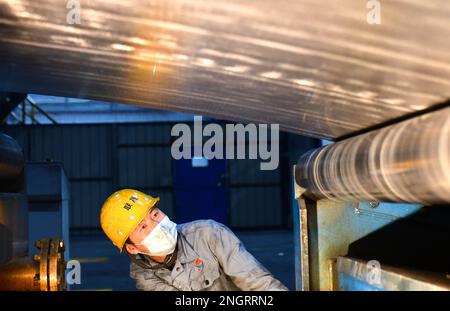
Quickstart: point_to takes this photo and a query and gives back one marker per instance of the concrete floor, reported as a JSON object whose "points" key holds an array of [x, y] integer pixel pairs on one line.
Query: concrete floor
{"points": [[103, 268]]}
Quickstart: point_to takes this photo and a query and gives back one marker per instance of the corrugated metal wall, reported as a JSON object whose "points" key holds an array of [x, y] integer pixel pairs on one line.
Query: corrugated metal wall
{"points": [[144, 161], [102, 158], [255, 195], [85, 152]]}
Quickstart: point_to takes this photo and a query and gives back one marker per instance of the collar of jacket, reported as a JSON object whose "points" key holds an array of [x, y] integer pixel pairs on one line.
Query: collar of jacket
{"points": [[187, 252], [145, 262]]}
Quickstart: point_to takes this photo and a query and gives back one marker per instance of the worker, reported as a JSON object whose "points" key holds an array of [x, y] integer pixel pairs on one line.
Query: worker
{"points": [[198, 255]]}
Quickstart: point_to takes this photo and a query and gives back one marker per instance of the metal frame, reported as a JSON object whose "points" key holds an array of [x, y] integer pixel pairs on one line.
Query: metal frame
{"points": [[326, 228]]}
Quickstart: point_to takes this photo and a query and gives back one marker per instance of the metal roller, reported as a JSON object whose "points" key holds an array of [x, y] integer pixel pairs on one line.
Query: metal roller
{"points": [[405, 162]]}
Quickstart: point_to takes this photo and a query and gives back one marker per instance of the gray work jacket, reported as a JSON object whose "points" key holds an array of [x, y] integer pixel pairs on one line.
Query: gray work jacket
{"points": [[211, 258]]}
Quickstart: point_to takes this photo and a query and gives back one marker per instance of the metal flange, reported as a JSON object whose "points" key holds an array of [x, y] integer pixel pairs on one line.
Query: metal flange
{"points": [[51, 264]]}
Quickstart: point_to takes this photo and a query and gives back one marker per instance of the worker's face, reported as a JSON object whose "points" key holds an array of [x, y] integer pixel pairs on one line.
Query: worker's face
{"points": [[143, 230]]}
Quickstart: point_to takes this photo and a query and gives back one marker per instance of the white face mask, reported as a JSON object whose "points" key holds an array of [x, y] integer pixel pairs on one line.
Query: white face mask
{"points": [[162, 240]]}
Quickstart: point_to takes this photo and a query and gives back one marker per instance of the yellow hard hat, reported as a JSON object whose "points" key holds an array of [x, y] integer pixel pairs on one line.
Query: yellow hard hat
{"points": [[122, 212]]}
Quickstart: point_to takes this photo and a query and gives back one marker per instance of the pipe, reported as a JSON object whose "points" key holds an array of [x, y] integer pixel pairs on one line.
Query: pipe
{"points": [[19, 275], [405, 162], [304, 64], [13, 226], [11, 165], [45, 272]]}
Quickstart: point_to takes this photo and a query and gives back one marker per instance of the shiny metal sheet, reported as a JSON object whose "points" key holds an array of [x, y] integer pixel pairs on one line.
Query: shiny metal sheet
{"points": [[316, 67], [357, 275]]}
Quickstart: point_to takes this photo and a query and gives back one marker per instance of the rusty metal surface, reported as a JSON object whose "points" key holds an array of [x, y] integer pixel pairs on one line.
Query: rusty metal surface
{"points": [[356, 275], [316, 67], [406, 162]]}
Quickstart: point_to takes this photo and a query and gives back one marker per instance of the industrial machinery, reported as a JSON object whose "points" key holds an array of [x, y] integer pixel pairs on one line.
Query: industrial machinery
{"points": [[343, 230], [380, 92], [45, 271]]}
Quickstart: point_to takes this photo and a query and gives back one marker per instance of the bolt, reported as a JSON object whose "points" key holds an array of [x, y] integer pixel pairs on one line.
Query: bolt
{"points": [[374, 204], [38, 244], [356, 208]]}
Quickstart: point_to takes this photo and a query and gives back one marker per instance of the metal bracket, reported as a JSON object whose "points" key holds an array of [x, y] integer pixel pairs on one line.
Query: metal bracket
{"points": [[324, 229]]}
